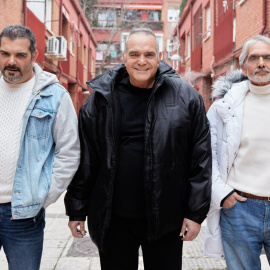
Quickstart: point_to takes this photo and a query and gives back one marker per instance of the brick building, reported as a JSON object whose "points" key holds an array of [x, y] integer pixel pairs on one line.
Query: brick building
{"points": [[169, 17], [65, 40], [211, 35], [111, 23]]}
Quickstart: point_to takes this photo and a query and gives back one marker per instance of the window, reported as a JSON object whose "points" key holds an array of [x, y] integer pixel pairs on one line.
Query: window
{"points": [[102, 47], [111, 18], [234, 29], [188, 46], [142, 15], [43, 11], [48, 14], [123, 41], [160, 41], [84, 56], [208, 21], [71, 41], [102, 19], [169, 47], [105, 18], [173, 15]]}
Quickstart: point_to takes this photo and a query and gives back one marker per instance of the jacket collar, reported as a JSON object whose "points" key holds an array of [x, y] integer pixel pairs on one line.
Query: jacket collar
{"points": [[104, 83], [227, 105], [43, 79], [224, 83]]}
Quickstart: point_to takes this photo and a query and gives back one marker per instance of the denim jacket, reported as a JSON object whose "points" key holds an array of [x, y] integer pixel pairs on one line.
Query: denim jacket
{"points": [[35, 166]]}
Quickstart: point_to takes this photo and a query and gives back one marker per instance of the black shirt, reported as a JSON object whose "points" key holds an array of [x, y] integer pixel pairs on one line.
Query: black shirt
{"points": [[129, 200]]}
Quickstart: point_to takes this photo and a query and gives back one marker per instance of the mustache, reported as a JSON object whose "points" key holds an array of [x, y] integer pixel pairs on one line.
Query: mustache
{"points": [[261, 69], [15, 68]]}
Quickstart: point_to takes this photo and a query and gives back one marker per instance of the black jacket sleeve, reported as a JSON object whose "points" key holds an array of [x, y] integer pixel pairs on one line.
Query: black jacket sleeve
{"points": [[199, 180], [80, 188]]}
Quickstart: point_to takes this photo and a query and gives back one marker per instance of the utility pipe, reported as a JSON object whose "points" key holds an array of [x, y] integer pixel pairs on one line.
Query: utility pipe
{"points": [[60, 34], [264, 17]]}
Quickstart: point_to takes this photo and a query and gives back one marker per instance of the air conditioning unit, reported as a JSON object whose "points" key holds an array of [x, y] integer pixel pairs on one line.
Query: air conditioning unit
{"points": [[52, 47], [62, 52], [56, 48]]}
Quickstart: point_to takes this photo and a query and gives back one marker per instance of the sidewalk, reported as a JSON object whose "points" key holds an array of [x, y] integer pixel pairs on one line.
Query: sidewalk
{"points": [[62, 252]]}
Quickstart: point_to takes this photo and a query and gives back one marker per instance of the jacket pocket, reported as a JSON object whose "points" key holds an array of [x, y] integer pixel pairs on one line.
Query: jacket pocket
{"points": [[38, 124]]}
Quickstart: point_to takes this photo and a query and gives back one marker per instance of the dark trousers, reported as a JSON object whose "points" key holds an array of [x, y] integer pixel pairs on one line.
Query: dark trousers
{"points": [[122, 243]]}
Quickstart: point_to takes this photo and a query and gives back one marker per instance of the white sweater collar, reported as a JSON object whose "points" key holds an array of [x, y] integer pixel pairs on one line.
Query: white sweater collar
{"points": [[14, 86], [259, 90]]}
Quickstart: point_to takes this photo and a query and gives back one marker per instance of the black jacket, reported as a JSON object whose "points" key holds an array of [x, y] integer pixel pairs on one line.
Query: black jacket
{"points": [[177, 175]]}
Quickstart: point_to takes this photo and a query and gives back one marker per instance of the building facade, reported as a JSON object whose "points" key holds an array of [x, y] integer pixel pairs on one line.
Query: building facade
{"points": [[170, 17], [111, 22], [65, 40], [211, 34]]}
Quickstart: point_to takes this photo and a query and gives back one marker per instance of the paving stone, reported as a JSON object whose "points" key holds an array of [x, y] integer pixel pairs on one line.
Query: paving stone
{"points": [[51, 252], [95, 264], [58, 243], [73, 263], [48, 263], [83, 247]]}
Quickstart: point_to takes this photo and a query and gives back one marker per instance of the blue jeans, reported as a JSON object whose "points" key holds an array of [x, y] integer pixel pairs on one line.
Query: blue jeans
{"points": [[245, 228], [22, 240]]}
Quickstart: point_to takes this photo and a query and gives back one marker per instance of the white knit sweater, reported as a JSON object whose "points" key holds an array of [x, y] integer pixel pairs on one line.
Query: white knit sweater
{"points": [[250, 171], [13, 103]]}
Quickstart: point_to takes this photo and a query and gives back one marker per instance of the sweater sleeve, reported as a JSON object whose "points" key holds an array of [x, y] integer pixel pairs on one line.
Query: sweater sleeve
{"points": [[67, 149]]}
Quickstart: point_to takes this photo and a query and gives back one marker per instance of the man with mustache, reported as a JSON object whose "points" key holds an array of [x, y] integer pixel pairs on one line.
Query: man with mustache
{"points": [[39, 146], [144, 177], [239, 216]]}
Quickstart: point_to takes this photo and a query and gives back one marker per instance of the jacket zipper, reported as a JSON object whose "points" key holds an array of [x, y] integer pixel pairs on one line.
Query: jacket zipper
{"points": [[154, 205]]}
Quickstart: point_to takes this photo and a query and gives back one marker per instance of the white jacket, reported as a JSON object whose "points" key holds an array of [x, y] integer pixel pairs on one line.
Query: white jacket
{"points": [[225, 116]]}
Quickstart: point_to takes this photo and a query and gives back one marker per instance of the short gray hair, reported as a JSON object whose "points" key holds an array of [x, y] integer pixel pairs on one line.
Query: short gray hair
{"points": [[244, 54], [144, 30]]}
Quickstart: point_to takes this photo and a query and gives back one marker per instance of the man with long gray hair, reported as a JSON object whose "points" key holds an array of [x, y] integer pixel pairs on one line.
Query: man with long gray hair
{"points": [[39, 147], [145, 173], [238, 223]]}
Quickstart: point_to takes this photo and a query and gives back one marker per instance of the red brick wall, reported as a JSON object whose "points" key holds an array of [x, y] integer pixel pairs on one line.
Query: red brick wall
{"points": [[9, 14], [55, 18], [207, 44], [38, 29], [249, 20], [203, 86]]}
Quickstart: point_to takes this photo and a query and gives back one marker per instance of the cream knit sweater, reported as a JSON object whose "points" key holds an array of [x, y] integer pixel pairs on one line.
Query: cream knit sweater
{"points": [[13, 102], [251, 168]]}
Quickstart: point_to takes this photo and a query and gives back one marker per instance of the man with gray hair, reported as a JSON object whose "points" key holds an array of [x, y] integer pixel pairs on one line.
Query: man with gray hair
{"points": [[39, 147], [144, 177], [238, 222]]}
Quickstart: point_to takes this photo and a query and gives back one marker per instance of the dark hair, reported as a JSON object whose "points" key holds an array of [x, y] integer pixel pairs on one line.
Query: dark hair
{"points": [[18, 31]]}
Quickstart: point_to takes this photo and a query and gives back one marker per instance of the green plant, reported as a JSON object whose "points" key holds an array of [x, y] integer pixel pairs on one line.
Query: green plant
{"points": [[182, 6]]}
